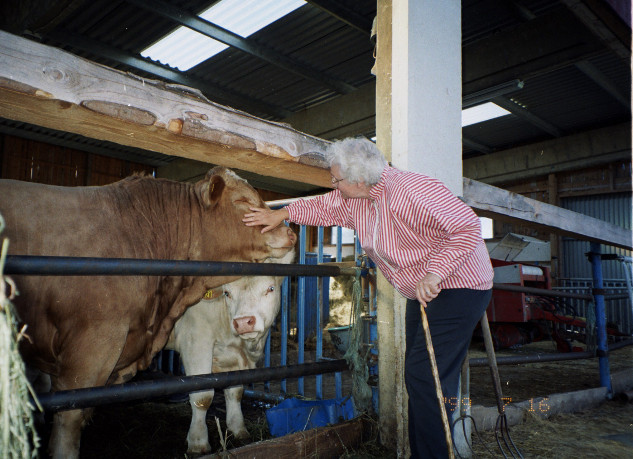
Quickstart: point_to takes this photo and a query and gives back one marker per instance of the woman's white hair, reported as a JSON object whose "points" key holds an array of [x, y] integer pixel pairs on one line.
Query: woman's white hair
{"points": [[358, 159]]}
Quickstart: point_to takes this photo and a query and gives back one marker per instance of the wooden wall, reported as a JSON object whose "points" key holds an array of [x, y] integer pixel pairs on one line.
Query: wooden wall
{"points": [[33, 161], [614, 177]]}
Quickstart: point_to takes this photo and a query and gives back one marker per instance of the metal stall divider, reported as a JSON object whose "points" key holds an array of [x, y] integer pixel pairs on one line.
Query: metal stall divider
{"points": [[302, 312]]}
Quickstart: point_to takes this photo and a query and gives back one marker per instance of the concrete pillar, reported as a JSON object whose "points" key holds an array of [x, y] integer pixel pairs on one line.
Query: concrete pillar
{"points": [[427, 89], [418, 127]]}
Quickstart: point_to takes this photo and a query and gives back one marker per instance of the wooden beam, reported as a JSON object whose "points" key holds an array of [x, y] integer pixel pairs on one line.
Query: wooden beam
{"points": [[330, 441], [165, 73], [345, 116], [49, 87], [489, 201], [576, 151]]}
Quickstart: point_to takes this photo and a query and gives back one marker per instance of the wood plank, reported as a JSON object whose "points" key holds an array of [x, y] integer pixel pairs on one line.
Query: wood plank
{"points": [[330, 441], [49, 87], [576, 151], [493, 202]]}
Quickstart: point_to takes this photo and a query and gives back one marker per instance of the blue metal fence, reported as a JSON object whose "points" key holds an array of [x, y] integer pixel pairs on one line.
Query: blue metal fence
{"points": [[304, 312]]}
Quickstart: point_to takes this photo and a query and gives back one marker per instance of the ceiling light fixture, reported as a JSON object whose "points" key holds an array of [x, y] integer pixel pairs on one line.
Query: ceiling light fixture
{"points": [[481, 113], [485, 95]]}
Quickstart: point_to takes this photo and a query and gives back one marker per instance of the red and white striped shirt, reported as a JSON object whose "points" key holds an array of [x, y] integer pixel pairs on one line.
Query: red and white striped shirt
{"points": [[411, 224]]}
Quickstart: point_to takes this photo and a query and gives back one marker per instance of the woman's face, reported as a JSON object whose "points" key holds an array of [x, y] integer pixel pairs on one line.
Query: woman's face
{"points": [[348, 190]]}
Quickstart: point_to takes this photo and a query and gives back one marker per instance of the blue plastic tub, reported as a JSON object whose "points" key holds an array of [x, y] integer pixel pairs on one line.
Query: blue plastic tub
{"points": [[296, 415]]}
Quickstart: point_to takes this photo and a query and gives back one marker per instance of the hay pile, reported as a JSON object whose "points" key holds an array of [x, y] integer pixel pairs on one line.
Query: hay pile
{"points": [[18, 438], [602, 432], [605, 432], [341, 290]]}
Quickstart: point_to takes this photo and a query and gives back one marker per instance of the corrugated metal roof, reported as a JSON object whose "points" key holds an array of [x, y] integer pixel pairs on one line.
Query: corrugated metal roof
{"points": [[570, 100], [505, 132], [327, 46]]}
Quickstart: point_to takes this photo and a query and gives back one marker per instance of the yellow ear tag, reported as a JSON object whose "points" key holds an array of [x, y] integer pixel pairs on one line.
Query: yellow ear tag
{"points": [[213, 294], [211, 188]]}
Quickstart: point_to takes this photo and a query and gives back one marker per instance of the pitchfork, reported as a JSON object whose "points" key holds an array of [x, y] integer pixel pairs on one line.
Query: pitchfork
{"points": [[502, 432]]}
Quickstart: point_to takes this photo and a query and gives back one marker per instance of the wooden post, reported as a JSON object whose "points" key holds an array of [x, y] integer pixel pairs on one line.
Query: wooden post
{"points": [[392, 396]]}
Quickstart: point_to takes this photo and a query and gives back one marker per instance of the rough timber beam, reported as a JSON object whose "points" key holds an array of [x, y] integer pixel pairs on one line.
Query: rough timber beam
{"points": [[503, 205], [52, 88], [49, 87]]}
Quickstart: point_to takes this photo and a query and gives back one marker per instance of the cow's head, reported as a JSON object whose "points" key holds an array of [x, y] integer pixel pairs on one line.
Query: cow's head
{"points": [[225, 198], [253, 302]]}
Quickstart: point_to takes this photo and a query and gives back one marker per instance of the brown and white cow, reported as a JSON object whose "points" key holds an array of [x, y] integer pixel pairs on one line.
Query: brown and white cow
{"points": [[225, 333], [91, 331]]}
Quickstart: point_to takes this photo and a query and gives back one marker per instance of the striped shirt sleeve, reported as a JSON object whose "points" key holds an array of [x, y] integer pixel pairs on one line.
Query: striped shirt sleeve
{"points": [[325, 210]]}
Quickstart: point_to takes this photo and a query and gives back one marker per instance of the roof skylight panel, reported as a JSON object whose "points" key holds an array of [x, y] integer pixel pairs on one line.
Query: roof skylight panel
{"points": [[185, 48]]}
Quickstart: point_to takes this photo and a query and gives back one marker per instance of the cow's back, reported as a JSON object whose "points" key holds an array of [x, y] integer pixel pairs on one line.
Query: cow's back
{"points": [[105, 221], [81, 222]]}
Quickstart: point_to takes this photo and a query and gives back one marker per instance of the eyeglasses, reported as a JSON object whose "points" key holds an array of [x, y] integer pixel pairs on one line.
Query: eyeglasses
{"points": [[335, 180]]}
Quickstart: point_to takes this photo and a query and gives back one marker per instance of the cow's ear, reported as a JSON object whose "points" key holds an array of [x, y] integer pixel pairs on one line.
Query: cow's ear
{"points": [[211, 190]]}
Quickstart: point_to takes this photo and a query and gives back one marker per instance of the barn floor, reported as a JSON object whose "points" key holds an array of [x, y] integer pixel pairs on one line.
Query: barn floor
{"points": [[604, 432], [158, 430]]}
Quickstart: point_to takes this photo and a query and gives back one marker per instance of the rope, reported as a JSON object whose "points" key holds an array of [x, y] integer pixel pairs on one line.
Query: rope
{"points": [[357, 363], [18, 438]]}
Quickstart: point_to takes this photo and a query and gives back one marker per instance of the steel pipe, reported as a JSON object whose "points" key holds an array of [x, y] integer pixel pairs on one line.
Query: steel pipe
{"points": [[601, 316], [85, 266], [540, 291], [556, 293], [266, 397], [146, 390], [536, 358]]}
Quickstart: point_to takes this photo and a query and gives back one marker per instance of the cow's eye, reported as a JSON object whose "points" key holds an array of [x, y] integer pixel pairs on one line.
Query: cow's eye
{"points": [[244, 201], [271, 288], [227, 294]]}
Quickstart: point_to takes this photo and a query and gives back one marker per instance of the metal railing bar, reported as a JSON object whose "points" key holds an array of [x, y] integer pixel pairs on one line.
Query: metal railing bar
{"points": [[538, 358], [88, 266], [145, 390]]}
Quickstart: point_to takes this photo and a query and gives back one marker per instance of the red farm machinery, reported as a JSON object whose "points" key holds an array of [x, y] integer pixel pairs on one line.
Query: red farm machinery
{"points": [[524, 308]]}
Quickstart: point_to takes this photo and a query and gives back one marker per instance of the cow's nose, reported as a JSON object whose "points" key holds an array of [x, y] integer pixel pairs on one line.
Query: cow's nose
{"points": [[244, 324]]}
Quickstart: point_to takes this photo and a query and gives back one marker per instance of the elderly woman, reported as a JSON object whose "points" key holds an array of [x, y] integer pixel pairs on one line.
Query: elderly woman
{"points": [[428, 245]]}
